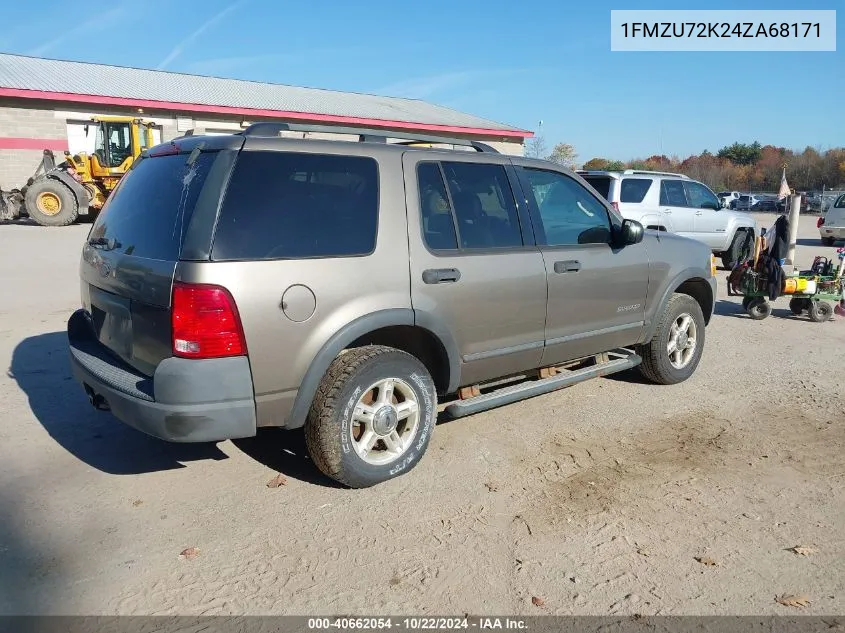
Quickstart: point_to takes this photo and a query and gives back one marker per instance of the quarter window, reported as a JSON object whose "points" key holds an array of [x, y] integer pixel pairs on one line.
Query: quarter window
{"points": [[634, 189], [287, 205]]}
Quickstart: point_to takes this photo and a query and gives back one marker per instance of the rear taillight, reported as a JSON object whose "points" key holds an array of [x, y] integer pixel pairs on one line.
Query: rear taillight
{"points": [[205, 322], [615, 205], [819, 222]]}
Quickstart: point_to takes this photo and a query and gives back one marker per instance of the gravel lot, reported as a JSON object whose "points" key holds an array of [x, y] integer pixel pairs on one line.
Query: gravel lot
{"points": [[598, 499]]}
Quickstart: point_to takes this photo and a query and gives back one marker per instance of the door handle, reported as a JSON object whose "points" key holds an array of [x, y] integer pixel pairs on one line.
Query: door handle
{"points": [[699, 212], [567, 266], [441, 275], [667, 211]]}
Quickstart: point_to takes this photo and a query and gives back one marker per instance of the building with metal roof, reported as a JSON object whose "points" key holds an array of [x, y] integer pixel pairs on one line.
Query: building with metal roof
{"points": [[46, 103]]}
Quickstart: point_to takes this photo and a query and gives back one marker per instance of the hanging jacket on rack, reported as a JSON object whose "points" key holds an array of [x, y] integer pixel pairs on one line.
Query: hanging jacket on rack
{"points": [[778, 238], [774, 276]]}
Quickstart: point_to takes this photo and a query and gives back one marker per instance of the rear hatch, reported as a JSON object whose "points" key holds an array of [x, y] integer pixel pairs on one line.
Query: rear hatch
{"points": [[162, 210], [835, 216], [600, 183]]}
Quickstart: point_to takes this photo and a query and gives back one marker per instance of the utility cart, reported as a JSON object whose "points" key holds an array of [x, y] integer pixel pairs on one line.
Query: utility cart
{"points": [[813, 291]]}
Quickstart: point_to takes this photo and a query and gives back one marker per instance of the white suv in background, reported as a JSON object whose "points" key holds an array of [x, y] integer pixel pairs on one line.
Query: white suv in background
{"points": [[666, 201], [726, 197]]}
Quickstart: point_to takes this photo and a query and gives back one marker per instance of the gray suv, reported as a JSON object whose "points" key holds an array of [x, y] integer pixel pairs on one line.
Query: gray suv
{"points": [[245, 281]]}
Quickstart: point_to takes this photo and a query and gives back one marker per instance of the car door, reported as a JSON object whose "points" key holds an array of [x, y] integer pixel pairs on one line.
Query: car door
{"points": [[475, 271], [710, 224], [597, 292], [675, 207]]}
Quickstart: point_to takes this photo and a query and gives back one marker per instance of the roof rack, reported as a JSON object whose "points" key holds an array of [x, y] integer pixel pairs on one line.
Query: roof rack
{"points": [[645, 172], [365, 135]]}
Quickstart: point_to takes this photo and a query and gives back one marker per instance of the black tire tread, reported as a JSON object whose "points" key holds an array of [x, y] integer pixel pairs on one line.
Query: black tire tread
{"points": [[320, 428], [63, 219], [651, 353]]}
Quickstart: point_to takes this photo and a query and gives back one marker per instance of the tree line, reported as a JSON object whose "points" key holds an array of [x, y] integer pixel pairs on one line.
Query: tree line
{"points": [[740, 166]]}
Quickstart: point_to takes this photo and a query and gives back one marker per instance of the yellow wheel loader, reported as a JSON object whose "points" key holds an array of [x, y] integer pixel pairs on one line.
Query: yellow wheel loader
{"points": [[57, 194]]}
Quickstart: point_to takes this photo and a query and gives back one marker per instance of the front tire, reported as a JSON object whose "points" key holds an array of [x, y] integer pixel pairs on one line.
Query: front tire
{"points": [[741, 248], [50, 202], [675, 350], [820, 311], [372, 416]]}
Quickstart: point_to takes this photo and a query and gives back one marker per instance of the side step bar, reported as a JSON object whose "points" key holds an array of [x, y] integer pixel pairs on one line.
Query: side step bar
{"points": [[611, 363]]}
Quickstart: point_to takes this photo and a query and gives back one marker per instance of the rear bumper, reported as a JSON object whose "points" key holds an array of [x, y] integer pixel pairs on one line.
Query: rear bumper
{"points": [[836, 232], [185, 401]]}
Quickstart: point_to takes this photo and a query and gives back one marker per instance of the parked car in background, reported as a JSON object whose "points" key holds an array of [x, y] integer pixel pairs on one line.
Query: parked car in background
{"points": [[745, 202], [726, 197], [766, 204], [832, 224], [673, 202]]}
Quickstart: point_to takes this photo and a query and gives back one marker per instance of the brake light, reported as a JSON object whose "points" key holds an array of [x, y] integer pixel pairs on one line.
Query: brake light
{"points": [[615, 205], [819, 222], [205, 322]]}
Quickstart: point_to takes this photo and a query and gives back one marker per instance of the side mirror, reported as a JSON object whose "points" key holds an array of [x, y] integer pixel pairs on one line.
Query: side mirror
{"points": [[632, 232], [715, 206]]}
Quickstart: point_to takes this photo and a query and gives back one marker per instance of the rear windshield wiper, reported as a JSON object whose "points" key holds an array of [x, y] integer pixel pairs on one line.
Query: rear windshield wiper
{"points": [[108, 244]]}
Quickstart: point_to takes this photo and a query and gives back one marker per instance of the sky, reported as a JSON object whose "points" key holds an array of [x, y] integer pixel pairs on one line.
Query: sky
{"points": [[516, 62]]}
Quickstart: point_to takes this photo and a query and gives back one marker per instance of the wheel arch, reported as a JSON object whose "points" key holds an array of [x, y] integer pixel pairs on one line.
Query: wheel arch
{"points": [[418, 333], [83, 198], [692, 282]]}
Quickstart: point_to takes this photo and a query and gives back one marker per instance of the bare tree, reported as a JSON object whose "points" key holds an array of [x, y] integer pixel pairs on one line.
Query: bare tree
{"points": [[536, 147], [563, 154]]}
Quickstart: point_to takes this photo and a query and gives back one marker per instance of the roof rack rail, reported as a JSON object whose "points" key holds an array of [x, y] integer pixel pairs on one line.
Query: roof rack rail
{"points": [[365, 135], [645, 172]]}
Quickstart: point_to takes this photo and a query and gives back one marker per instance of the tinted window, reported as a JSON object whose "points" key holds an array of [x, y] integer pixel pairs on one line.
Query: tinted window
{"points": [[484, 205], [700, 196], [600, 184], [634, 189], [437, 222], [840, 202], [672, 193], [149, 211], [569, 214], [283, 205]]}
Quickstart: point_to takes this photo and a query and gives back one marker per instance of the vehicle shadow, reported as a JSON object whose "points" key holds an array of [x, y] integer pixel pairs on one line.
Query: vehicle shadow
{"points": [[731, 309], [284, 452], [41, 368]]}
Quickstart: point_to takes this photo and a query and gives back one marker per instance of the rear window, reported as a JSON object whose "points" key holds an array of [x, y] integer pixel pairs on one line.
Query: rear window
{"points": [[634, 189], [148, 213], [600, 184], [286, 205]]}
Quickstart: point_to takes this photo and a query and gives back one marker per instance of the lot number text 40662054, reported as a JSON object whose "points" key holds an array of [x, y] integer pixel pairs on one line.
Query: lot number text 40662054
{"points": [[416, 623]]}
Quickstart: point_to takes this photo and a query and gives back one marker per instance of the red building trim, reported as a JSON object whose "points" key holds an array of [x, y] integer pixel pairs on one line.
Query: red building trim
{"points": [[57, 145], [257, 112]]}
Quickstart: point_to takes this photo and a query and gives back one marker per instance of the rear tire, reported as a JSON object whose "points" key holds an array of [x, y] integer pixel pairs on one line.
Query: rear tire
{"points": [[50, 202], [355, 432], [798, 305], [758, 308], [675, 350]]}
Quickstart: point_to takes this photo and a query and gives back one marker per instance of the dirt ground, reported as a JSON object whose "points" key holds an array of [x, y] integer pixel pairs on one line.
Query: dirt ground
{"points": [[611, 497]]}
